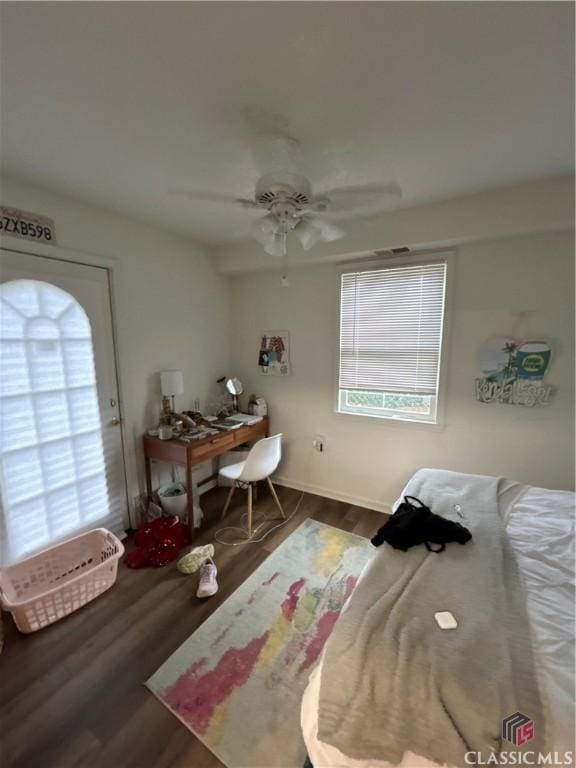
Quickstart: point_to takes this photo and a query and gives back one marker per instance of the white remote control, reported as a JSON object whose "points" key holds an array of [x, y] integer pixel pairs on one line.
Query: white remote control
{"points": [[445, 620]]}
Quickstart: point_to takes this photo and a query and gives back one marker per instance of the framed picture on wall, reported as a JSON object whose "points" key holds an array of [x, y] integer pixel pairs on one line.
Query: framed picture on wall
{"points": [[274, 353]]}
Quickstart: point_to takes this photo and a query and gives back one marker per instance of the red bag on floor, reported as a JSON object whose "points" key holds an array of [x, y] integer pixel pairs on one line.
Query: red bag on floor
{"points": [[158, 542]]}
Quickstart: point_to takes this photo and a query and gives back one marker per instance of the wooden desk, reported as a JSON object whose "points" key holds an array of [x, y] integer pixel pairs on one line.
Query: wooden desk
{"points": [[191, 454]]}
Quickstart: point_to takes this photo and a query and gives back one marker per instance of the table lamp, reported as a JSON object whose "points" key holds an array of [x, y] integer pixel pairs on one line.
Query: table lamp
{"points": [[171, 384]]}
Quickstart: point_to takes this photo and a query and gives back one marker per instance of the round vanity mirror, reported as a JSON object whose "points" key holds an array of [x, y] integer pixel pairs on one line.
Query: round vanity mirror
{"points": [[234, 386]]}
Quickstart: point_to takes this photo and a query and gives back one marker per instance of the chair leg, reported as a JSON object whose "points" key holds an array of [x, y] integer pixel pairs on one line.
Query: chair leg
{"points": [[276, 499], [228, 499], [249, 510]]}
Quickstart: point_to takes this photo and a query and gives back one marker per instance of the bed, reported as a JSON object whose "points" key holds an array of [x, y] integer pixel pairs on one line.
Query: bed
{"points": [[539, 526]]}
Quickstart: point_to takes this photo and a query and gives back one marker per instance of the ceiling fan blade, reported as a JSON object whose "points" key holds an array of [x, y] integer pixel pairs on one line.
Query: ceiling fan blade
{"points": [[213, 197], [364, 198]]}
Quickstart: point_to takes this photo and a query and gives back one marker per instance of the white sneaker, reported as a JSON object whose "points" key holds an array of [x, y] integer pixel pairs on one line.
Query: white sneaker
{"points": [[208, 585]]}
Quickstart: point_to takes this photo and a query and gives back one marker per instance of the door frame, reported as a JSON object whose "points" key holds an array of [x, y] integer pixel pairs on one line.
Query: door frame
{"points": [[113, 266]]}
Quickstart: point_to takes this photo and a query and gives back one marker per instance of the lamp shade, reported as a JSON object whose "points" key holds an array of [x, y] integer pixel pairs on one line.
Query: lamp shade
{"points": [[171, 383]]}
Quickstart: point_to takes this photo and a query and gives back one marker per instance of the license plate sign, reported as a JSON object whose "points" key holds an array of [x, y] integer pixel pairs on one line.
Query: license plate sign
{"points": [[27, 226]]}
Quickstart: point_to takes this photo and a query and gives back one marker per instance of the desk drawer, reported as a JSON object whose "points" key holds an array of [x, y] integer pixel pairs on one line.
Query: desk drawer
{"points": [[165, 450], [249, 433], [213, 447]]}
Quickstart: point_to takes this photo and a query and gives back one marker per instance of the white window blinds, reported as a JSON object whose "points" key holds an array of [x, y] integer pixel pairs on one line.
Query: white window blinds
{"points": [[391, 329], [52, 470]]}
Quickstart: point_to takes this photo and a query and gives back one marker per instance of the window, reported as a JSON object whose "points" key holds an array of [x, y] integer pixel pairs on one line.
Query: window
{"points": [[52, 470], [391, 323]]}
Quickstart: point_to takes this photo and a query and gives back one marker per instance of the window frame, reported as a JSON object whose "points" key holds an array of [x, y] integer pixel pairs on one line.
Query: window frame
{"points": [[399, 419]]}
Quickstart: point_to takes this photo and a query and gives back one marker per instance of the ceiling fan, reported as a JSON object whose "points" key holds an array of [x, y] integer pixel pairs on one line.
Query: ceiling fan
{"points": [[293, 208]]}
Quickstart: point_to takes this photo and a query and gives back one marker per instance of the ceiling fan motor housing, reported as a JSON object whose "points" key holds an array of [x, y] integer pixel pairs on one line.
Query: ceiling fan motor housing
{"points": [[290, 188], [286, 213]]}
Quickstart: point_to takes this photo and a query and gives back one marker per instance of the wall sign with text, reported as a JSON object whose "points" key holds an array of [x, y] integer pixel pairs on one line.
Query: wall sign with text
{"points": [[26, 225], [514, 372]]}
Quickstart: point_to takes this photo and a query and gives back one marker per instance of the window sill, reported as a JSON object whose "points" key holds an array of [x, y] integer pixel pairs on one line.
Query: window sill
{"points": [[389, 421]]}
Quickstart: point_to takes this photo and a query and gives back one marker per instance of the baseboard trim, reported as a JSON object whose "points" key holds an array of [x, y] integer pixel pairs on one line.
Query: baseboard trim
{"points": [[318, 490]]}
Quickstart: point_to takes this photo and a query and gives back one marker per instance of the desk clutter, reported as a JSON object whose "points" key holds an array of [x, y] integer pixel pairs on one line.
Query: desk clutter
{"points": [[200, 427], [190, 426]]}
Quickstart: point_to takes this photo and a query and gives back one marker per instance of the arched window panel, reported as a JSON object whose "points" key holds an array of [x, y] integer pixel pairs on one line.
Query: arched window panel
{"points": [[24, 297], [54, 303], [14, 367], [27, 529], [12, 322], [89, 458], [23, 477], [78, 362], [84, 412], [74, 324], [52, 415], [58, 461], [17, 421], [52, 466]]}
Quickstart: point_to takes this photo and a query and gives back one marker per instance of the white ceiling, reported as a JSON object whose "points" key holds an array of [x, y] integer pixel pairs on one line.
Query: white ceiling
{"points": [[114, 103]]}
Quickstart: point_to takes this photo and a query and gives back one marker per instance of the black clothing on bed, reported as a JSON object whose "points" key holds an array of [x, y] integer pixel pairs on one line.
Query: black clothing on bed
{"points": [[411, 525]]}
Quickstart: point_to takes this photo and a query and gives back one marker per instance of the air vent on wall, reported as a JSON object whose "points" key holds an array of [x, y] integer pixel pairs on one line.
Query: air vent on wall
{"points": [[389, 253]]}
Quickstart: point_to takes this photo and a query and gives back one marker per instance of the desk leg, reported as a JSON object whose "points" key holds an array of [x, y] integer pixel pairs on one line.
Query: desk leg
{"points": [[148, 472], [190, 492]]}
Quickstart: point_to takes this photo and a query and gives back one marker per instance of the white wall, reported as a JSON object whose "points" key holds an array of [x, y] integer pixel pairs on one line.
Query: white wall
{"points": [[521, 286], [171, 306]]}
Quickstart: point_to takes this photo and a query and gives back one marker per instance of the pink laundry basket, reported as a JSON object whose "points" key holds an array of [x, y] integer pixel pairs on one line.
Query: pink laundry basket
{"points": [[52, 584]]}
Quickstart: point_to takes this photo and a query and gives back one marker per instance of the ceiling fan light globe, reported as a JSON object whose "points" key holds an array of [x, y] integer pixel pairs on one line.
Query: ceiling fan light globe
{"points": [[307, 233], [265, 228], [311, 229], [330, 231], [275, 246]]}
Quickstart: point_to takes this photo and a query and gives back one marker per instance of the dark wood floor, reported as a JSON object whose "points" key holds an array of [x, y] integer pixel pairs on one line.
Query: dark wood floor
{"points": [[73, 695]]}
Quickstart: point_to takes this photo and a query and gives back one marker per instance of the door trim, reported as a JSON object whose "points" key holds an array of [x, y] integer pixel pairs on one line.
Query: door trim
{"points": [[113, 267]]}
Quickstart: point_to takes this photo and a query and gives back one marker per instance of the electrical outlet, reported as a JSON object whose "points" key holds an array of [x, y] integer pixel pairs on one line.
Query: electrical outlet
{"points": [[318, 443]]}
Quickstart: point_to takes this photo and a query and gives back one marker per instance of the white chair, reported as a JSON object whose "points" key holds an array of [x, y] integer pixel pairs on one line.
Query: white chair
{"points": [[262, 460]]}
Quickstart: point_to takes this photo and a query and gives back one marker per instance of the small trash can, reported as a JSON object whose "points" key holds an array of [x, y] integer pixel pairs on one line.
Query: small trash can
{"points": [[174, 499]]}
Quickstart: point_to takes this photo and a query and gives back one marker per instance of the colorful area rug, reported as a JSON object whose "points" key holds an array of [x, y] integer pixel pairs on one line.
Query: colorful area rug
{"points": [[238, 681]]}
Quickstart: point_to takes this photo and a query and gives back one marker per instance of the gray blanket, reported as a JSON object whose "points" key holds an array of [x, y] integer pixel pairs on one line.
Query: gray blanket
{"points": [[394, 682]]}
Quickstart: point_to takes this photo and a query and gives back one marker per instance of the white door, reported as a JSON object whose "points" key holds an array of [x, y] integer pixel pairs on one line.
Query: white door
{"points": [[61, 459]]}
